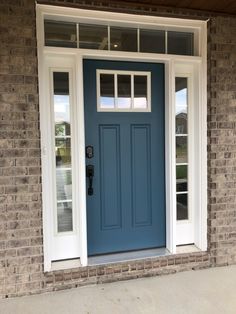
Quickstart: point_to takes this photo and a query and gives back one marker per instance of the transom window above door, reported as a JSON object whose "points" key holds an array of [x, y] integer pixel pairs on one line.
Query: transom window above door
{"points": [[123, 91], [117, 38]]}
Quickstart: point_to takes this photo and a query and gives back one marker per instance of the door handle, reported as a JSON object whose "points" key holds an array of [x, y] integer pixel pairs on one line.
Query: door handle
{"points": [[90, 175]]}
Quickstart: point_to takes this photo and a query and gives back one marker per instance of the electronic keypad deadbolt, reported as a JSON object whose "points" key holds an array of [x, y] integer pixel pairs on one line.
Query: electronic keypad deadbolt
{"points": [[89, 151]]}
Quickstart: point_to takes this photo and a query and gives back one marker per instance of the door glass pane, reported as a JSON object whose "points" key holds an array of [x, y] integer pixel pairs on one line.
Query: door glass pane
{"points": [[182, 178], [61, 103], [64, 217], [152, 41], [93, 36], [140, 91], [124, 91], [62, 128], [60, 34], [182, 206], [181, 108], [63, 150], [123, 39], [64, 184], [62, 115], [107, 91], [180, 43], [181, 149]]}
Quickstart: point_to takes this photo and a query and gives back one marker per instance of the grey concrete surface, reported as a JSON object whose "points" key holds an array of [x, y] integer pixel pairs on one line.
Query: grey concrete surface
{"points": [[204, 292]]}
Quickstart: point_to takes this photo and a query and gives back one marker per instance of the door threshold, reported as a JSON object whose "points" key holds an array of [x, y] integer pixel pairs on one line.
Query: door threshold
{"points": [[65, 264], [121, 257], [126, 256], [187, 248]]}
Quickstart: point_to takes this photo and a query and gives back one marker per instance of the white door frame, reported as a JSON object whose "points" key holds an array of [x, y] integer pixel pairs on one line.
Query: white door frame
{"points": [[170, 62]]}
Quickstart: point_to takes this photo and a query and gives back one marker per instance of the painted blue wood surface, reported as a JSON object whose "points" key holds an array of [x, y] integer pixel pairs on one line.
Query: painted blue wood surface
{"points": [[127, 210]]}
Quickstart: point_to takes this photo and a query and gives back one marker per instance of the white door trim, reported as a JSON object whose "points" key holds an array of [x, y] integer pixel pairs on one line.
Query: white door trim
{"points": [[170, 62]]}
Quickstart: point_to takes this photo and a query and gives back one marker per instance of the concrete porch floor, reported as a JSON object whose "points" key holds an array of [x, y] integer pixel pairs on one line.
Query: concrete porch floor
{"points": [[204, 291]]}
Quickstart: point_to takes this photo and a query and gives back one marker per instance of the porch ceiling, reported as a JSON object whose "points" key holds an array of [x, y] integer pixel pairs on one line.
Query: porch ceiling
{"points": [[217, 6]]}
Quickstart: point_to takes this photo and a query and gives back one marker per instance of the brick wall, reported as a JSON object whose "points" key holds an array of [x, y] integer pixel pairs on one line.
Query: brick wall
{"points": [[222, 140], [20, 200], [21, 251]]}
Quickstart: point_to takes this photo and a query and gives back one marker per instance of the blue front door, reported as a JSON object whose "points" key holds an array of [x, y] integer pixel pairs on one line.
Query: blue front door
{"points": [[127, 208]]}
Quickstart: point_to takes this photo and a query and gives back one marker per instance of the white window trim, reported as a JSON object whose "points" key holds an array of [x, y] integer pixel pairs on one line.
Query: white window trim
{"points": [[170, 61], [59, 244], [185, 228]]}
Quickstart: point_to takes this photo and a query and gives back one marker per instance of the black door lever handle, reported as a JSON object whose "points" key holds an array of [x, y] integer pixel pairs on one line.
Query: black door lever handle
{"points": [[90, 175]]}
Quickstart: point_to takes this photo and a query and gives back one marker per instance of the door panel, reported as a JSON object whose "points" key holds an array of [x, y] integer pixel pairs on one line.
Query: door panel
{"points": [[141, 175], [127, 208], [110, 191]]}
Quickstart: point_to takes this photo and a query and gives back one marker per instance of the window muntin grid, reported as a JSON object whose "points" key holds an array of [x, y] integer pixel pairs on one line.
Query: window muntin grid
{"points": [[117, 38]]}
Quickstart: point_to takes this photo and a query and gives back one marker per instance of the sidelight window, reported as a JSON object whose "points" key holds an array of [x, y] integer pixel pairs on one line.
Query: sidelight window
{"points": [[62, 137], [181, 137]]}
